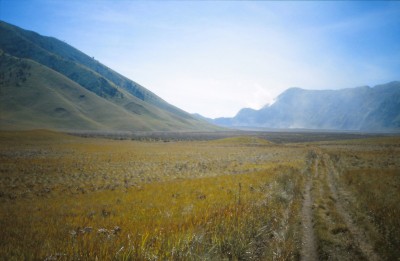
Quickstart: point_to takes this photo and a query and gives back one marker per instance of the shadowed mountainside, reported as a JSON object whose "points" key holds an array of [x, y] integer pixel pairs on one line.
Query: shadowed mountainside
{"points": [[47, 83]]}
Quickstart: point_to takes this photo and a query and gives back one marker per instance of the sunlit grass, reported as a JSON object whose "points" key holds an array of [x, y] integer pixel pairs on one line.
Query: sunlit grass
{"points": [[370, 171], [70, 198], [377, 192], [74, 198]]}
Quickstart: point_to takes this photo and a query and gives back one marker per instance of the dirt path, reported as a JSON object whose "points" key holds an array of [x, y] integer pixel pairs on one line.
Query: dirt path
{"points": [[359, 236], [309, 247]]}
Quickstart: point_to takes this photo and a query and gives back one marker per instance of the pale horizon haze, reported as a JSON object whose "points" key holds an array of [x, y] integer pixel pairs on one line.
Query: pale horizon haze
{"points": [[217, 57]]}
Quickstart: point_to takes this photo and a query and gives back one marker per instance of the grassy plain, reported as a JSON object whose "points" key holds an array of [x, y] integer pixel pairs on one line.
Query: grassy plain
{"points": [[367, 175], [70, 198]]}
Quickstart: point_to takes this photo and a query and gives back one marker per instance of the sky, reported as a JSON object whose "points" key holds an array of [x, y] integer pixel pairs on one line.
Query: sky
{"points": [[217, 57]]}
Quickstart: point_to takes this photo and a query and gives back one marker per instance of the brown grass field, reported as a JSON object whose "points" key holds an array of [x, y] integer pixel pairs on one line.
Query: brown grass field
{"points": [[64, 197]]}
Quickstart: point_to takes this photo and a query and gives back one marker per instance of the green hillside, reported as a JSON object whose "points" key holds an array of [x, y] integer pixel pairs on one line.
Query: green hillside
{"points": [[53, 85]]}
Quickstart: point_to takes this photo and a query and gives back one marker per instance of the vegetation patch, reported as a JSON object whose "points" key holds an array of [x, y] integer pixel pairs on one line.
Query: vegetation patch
{"points": [[87, 198], [67, 198]]}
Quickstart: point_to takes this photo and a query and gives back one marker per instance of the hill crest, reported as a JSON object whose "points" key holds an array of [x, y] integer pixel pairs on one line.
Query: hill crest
{"points": [[128, 105]]}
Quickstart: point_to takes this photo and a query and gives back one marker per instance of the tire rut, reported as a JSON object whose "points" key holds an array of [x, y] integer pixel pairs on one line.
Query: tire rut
{"points": [[358, 235], [309, 246]]}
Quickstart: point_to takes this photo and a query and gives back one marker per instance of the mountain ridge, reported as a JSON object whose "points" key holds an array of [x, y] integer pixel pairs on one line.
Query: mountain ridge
{"points": [[360, 108], [149, 111]]}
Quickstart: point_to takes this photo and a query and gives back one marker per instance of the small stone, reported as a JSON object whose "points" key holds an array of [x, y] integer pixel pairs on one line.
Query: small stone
{"points": [[102, 231], [116, 230]]}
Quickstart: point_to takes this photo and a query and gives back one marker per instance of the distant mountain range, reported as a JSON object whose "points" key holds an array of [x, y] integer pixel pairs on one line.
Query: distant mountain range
{"points": [[46, 83], [361, 109]]}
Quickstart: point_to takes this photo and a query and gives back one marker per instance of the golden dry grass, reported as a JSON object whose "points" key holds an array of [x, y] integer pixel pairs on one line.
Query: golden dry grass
{"points": [[372, 176], [367, 177], [73, 198]]}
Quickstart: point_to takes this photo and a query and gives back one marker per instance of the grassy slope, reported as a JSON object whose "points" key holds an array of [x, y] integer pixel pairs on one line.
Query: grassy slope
{"points": [[146, 107], [34, 96]]}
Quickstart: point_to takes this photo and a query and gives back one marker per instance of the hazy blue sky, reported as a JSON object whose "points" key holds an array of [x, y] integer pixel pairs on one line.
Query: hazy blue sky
{"points": [[215, 58]]}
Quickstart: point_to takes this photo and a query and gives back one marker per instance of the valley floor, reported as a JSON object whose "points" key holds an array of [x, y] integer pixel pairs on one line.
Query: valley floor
{"points": [[240, 198]]}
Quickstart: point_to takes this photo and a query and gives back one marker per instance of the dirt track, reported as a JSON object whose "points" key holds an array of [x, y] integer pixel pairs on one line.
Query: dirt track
{"points": [[329, 232], [359, 236], [309, 249]]}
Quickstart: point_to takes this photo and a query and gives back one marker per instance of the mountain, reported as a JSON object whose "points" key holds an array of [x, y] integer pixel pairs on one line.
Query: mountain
{"points": [[361, 108], [46, 83], [202, 118]]}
